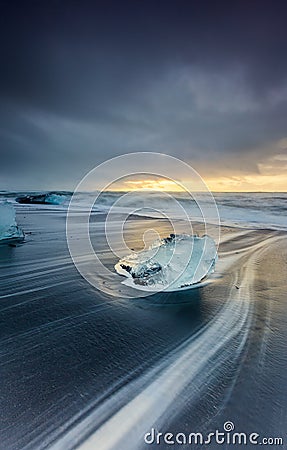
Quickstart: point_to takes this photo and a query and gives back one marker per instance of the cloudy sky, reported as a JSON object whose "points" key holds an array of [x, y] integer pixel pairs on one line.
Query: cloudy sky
{"points": [[205, 81]]}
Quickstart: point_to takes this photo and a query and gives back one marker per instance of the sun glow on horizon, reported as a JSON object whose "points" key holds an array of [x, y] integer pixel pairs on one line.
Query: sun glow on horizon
{"points": [[269, 177], [248, 183], [160, 184]]}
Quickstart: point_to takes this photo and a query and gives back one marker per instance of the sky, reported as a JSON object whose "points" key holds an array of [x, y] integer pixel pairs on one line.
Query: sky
{"points": [[82, 82]]}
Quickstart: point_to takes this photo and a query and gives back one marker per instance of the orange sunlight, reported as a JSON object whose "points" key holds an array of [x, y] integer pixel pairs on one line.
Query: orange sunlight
{"points": [[160, 184]]}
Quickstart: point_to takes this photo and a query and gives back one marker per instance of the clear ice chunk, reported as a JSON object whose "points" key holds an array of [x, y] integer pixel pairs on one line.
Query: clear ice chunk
{"points": [[51, 198], [9, 230], [172, 263]]}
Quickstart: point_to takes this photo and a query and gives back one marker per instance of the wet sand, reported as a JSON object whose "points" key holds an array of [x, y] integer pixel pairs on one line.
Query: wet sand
{"points": [[80, 368]]}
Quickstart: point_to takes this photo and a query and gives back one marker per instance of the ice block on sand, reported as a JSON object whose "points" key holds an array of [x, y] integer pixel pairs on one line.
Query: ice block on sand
{"points": [[9, 230], [172, 263]]}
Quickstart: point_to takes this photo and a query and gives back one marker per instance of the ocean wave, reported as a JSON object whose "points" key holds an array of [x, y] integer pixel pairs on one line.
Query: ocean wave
{"points": [[256, 210]]}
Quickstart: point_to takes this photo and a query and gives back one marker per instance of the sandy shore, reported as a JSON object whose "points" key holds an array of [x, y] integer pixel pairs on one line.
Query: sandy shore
{"points": [[77, 363]]}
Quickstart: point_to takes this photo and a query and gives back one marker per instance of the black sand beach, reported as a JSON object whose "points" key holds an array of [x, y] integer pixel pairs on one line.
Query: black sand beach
{"points": [[81, 368]]}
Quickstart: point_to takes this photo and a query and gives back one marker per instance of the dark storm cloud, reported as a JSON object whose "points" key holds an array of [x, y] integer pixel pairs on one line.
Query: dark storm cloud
{"points": [[81, 82]]}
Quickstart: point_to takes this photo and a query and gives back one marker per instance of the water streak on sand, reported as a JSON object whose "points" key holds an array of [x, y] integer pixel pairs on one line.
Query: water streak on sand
{"points": [[127, 415], [82, 369]]}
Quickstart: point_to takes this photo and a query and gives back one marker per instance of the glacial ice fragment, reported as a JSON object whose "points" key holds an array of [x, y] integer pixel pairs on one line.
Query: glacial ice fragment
{"points": [[51, 198], [9, 230], [172, 263]]}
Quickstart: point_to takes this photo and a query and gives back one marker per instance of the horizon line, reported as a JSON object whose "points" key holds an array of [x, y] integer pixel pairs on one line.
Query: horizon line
{"points": [[141, 190]]}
